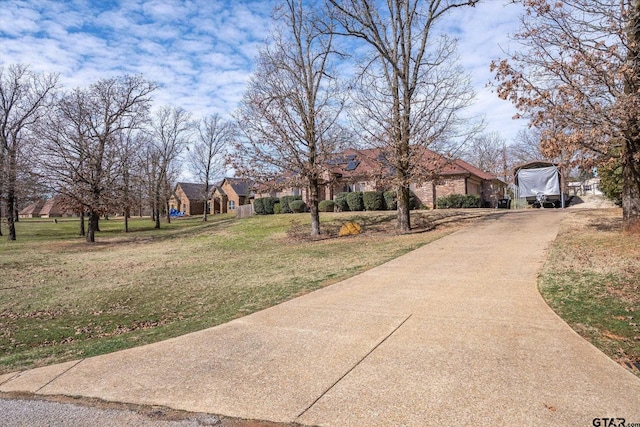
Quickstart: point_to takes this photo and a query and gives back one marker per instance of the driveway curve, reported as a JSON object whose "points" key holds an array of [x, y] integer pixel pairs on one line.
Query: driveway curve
{"points": [[452, 333]]}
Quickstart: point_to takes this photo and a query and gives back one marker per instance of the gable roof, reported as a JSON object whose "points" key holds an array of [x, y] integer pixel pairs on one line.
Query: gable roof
{"points": [[355, 164], [477, 171], [241, 186], [54, 206], [33, 209], [192, 191]]}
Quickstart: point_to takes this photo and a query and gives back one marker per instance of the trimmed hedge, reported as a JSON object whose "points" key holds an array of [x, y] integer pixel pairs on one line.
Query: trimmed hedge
{"points": [[373, 200], [297, 206], [277, 208], [355, 202], [455, 201], [285, 203], [326, 206], [390, 202], [264, 205], [258, 206], [341, 202], [269, 203]]}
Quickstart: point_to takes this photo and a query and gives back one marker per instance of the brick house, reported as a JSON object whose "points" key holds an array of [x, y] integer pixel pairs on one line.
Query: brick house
{"points": [[230, 193], [366, 170], [50, 208], [33, 210], [188, 198]]}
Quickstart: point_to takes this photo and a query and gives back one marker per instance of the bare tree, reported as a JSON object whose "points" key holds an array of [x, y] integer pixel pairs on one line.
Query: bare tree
{"points": [[23, 97], [488, 151], [288, 117], [411, 90], [526, 147], [130, 143], [206, 156], [171, 130], [83, 154], [577, 78]]}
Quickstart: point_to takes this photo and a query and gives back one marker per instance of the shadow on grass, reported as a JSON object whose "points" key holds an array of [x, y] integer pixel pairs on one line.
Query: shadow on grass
{"points": [[606, 224]]}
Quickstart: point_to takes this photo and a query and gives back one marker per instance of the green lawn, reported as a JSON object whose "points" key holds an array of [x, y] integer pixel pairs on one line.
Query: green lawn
{"points": [[63, 299]]}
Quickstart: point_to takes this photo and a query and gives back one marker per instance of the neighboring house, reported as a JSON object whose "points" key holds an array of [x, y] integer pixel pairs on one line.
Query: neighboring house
{"points": [[591, 186], [230, 193], [188, 198], [33, 210], [55, 208]]}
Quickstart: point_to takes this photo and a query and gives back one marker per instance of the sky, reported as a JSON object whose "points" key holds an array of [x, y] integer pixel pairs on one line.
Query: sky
{"points": [[202, 52]]}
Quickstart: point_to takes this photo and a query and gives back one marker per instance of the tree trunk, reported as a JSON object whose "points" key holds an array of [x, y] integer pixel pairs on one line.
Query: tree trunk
{"points": [[127, 213], [93, 226], [404, 214], [11, 195], [166, 207], [313, 206], [156, 209], [206, 209], [630, 162], [631, 186], [81, 232]]}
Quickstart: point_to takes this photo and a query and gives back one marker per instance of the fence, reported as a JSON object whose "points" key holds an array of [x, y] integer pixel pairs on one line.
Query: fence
{"points": [[244, 211]]}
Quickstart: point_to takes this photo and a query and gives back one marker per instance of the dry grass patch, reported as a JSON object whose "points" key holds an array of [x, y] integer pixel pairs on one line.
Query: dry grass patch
{"points": [[592, 280], [62, 299]]}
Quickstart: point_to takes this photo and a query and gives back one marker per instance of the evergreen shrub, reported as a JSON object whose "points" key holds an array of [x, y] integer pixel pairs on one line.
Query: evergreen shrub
{"points": [[297, 206], [326, 206], [355, 202], [341, 202], [373, 200]]}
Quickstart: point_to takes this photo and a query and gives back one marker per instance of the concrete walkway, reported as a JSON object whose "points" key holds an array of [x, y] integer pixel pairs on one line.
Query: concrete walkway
{"points": [[454, 333]]}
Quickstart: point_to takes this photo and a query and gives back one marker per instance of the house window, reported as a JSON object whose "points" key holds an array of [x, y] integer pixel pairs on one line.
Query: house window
{"points": [[232, 205]]}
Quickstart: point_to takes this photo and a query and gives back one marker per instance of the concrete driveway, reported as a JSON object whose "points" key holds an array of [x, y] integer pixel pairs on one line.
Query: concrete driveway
{"points": [[452, 333]]}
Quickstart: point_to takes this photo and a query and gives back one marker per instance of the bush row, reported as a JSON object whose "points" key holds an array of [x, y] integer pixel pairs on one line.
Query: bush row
{"points": [[370, 201], [265, 205], [274, 205], [458, 201], [352, 201]]}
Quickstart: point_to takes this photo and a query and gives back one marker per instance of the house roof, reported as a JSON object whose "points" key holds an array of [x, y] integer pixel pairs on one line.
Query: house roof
{"points": [[241, 186], [33, 209], [371, 162], [476, 171], [54, 206], [192, 191]]}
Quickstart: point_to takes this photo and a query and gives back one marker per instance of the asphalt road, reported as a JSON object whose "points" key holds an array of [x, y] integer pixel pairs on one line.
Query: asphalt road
{"points": [[37, 412]]}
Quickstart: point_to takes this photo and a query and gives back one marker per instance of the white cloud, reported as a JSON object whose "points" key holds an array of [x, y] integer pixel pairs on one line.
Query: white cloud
{"points": [[483, 33], [201, 52]]}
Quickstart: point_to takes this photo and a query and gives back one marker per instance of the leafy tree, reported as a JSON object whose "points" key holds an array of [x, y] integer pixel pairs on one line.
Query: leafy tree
{"points": [[611, 181], [577, 78]]}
